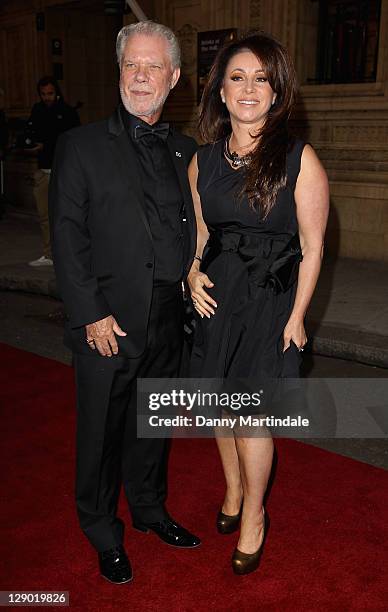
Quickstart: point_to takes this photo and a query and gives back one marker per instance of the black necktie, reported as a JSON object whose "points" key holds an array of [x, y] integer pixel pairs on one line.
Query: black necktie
{"points": [[160, 129]]}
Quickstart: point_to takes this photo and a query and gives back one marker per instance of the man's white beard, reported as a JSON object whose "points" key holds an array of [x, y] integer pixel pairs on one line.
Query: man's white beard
{"points": [[153, 110]]}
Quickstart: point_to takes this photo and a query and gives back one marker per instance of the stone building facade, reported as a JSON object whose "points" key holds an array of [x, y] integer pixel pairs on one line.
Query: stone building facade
{"points": [[347, 123]]}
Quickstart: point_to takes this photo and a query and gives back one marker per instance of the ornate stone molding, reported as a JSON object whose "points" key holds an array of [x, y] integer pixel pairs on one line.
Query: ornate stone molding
{"points": [[187, 35], [255, 19]]}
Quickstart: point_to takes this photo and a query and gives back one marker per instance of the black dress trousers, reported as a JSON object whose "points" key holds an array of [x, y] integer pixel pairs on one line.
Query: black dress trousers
{"points": [[108, 451]]}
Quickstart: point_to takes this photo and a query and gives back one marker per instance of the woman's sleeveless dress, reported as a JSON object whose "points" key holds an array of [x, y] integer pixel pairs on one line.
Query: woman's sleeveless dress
{"points": [[245, 336]]}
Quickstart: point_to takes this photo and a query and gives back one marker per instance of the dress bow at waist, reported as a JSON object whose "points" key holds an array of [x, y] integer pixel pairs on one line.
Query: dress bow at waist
{"points": [[269, 261]]}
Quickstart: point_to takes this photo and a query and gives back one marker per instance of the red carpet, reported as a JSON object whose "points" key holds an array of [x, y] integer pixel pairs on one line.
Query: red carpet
{"points": [[326, 548]]}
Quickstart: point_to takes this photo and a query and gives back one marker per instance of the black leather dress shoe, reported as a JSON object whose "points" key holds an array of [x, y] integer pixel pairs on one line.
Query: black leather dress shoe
{"points": [[115, 566], [170, 532]]}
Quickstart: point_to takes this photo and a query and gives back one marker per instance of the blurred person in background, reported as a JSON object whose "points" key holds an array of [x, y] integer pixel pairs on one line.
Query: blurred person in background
{"points": [[3, 148], [49, 118], [3, 125]]}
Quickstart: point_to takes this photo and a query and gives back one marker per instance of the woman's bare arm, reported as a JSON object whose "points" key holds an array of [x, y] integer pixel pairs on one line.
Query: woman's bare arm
{"points": [[312, 209], [197, 280]]}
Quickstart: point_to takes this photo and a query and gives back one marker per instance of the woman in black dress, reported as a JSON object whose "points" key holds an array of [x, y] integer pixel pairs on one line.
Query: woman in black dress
{"points": [[261, 200]]}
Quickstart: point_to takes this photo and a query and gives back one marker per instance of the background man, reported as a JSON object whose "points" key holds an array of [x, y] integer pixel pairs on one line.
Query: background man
{"points": [[3, 148], [49, 118], [123, 239]]}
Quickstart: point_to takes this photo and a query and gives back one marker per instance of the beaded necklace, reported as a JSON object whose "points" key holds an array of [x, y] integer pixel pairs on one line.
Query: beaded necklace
{"points": [[236, 160]]}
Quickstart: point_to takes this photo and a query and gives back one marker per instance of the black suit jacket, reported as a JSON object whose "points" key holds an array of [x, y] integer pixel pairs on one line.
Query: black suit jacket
{"points": [[102, 244]]}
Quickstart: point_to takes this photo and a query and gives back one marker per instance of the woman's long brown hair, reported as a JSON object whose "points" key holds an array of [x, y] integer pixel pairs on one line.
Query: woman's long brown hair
{"points": [[266, 173]]}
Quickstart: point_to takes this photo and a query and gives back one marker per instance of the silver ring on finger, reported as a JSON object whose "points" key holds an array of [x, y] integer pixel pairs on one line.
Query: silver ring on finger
{"points": [[301, 348], [195, 302]]}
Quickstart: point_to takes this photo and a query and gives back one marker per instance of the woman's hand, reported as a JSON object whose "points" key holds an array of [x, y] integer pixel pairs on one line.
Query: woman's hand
{"points": [[202, 301], [294, 331]]}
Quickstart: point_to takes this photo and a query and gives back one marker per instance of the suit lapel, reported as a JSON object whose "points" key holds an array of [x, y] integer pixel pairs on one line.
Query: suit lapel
{"points": [[126, 158], [179, 161], [178, 157]]}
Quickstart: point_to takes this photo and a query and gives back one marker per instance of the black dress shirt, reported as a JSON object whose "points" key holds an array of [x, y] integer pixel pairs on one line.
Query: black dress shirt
{"points": [[163, 200]]}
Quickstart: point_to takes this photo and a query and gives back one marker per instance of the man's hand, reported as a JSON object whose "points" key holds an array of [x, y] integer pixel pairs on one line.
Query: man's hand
{"points": [[100, 335]]}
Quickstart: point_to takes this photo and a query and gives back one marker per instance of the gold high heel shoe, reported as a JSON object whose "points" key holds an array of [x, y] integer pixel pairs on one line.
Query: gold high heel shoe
{"points": [[244, 563], [227, 523]]}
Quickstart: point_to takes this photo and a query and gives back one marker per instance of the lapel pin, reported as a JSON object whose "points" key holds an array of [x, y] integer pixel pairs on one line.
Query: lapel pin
{"points": [[178, 154]]}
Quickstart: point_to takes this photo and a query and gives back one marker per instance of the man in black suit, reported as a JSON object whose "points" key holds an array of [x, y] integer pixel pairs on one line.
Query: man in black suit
{"points": [[123, 239]]}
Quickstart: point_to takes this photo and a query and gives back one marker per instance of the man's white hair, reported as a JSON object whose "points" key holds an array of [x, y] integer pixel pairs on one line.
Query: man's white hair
{"points": [[149, 28]]}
